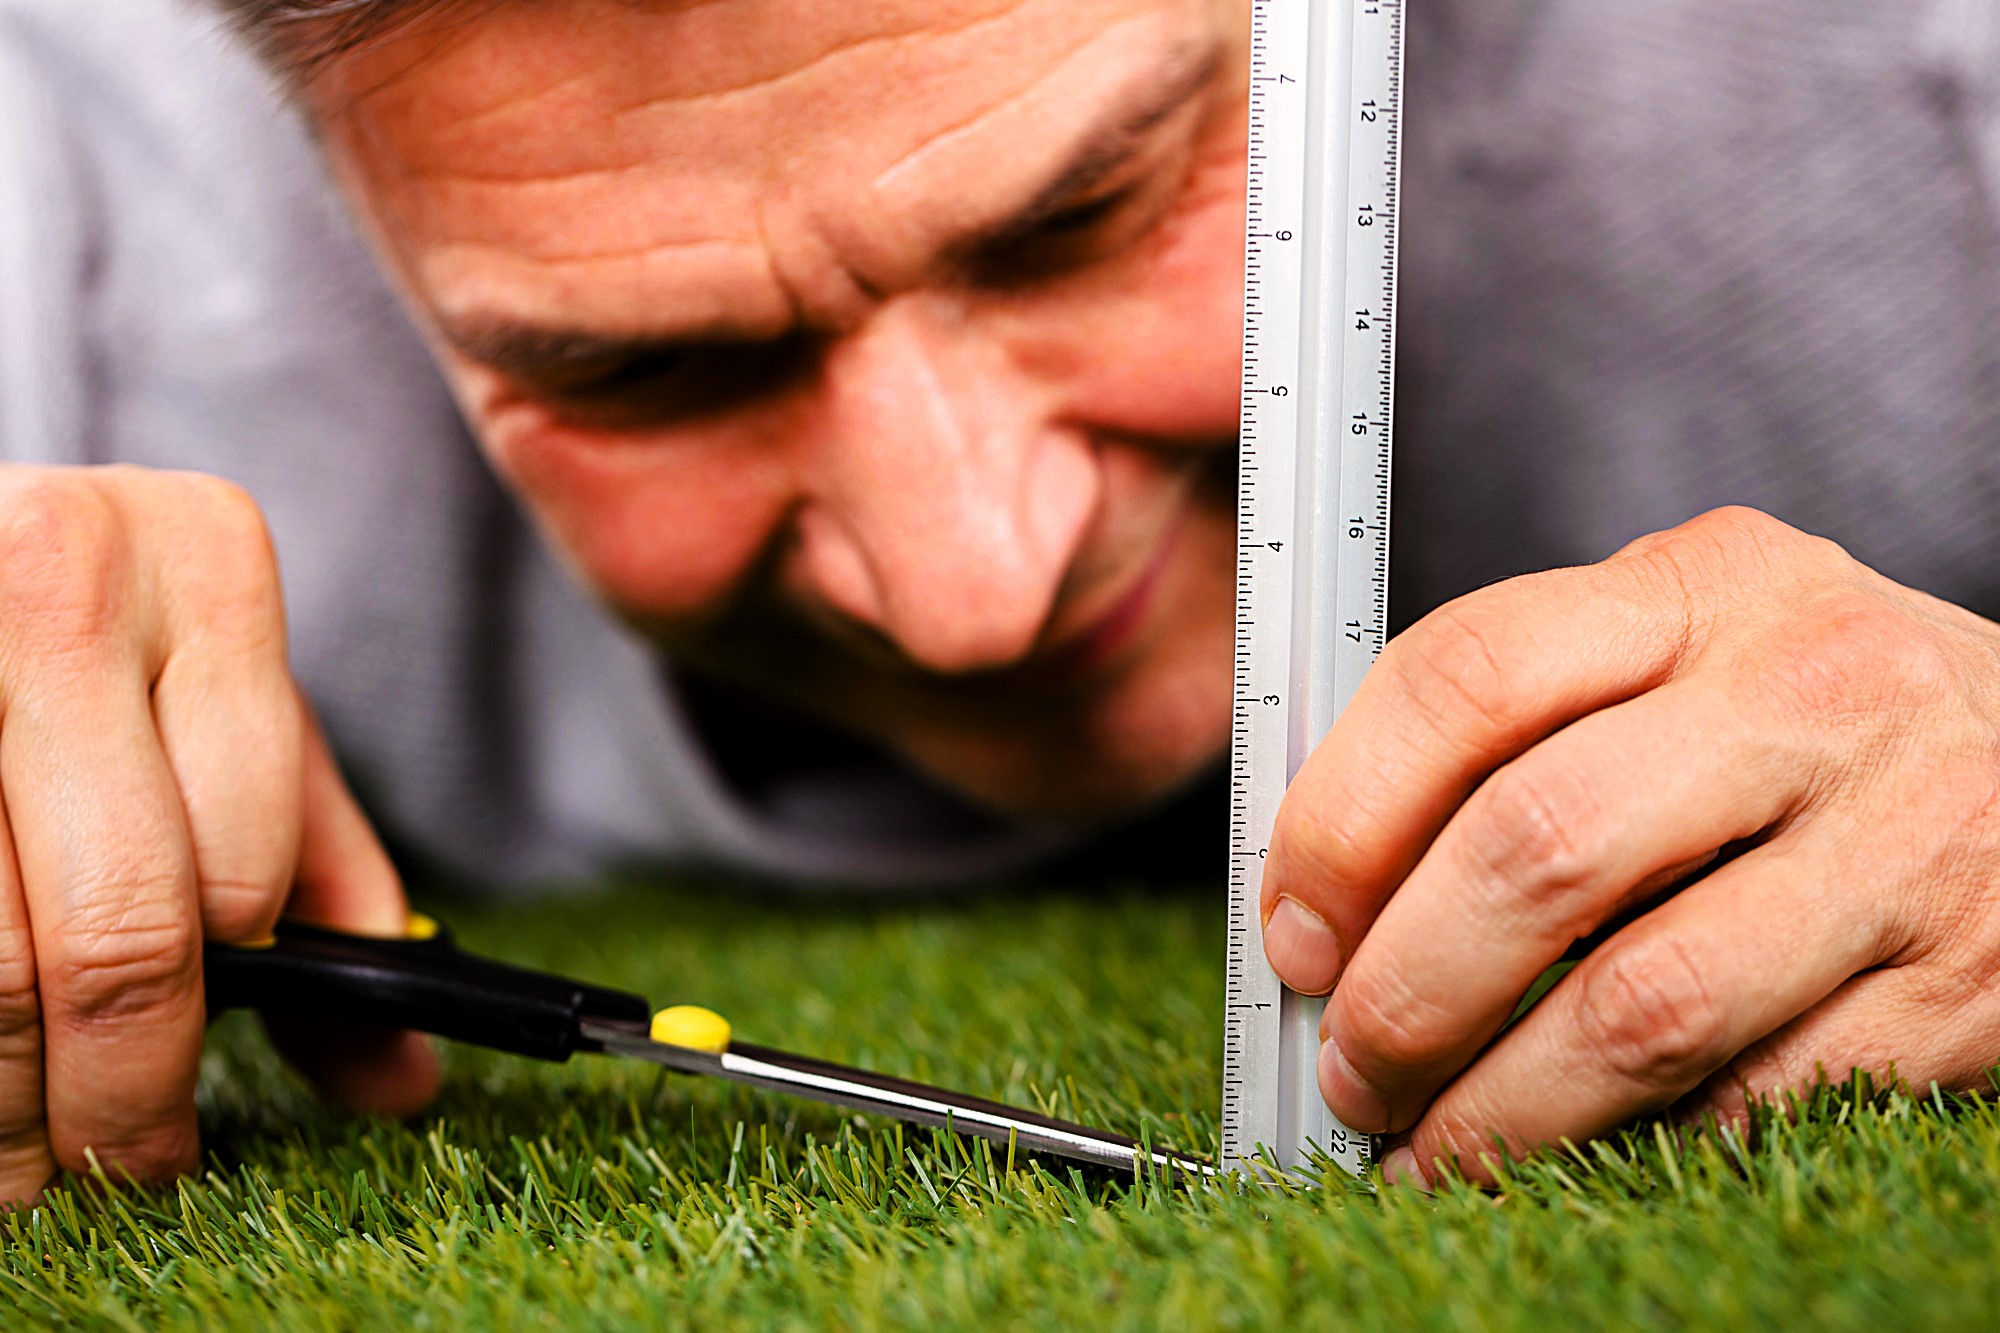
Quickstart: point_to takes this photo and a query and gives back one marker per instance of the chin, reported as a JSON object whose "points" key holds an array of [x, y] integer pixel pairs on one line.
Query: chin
{"points": [[1134, 750], [1074, 793]]}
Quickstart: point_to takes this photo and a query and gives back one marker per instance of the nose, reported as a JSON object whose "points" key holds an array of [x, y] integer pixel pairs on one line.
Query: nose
{"points": [[944, 504]]}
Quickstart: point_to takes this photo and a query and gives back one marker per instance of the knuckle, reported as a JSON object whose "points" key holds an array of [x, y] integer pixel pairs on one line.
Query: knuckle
{"points": [[1714, 549], [26, 1167], [1311, 857], [152, 1155], [1452, 670], [236, 571], [1854, 656], [231, 520], [1540, 837], [1387, 1027], [1648, 1014], [20, 1003], [1738, 530], [63, 557], [1740, 523], [1466, 1139], [125, 965], [243, 909]]}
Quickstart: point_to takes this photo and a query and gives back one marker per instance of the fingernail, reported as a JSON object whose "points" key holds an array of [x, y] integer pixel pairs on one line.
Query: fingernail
{"points": [[1400, 1168], [1301, 947], [1348, 1095]]}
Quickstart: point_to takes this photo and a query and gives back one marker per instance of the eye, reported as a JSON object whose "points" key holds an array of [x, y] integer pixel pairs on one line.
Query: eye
{"points": [[1072, 237], [614, 377], [1081, 217], [670, 385]]}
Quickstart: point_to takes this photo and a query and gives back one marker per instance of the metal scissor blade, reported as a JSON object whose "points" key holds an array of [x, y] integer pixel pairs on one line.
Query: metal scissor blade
{"points": [[860, 1090]]}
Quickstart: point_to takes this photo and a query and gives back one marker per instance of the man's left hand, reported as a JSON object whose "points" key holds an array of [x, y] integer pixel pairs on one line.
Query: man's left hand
{"points": [[1779, 770]]}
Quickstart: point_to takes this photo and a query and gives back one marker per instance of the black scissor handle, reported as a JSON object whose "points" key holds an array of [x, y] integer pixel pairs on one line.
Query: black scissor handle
{"points": [[426, 984]]}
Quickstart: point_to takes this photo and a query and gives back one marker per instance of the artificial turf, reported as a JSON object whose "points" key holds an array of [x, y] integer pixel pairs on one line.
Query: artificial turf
{"points": [[606, 1195]]}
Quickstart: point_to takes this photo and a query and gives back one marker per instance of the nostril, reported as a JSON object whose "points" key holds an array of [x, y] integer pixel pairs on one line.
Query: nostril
{"points": [[834, 569], [1061, 494]]}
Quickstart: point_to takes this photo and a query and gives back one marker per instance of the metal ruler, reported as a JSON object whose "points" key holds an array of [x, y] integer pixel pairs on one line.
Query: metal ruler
{"points": [[1312, 601]]}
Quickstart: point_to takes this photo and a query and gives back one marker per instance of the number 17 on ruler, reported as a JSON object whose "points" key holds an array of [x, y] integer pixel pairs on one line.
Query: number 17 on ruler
{"points": [[1312, 604]]}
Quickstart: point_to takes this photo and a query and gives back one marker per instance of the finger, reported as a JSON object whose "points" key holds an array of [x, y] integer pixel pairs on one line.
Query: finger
{"points": [[1460, 693], [345, 877], [227, 712], [1659, 1008], [1549, 849], [26, 1163], [346, 880], [1890, 1023], [109, 882]]}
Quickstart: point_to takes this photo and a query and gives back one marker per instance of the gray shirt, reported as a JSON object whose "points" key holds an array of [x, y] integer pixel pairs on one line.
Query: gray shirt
{"points": [[1663, 255], [1660, 255]]}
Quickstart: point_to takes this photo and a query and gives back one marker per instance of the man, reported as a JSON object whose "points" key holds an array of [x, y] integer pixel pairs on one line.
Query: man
{"points": [[880, 361]]}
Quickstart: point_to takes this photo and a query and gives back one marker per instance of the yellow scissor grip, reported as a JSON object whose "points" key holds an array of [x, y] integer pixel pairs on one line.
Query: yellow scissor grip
{"points": [[692, 1027]]}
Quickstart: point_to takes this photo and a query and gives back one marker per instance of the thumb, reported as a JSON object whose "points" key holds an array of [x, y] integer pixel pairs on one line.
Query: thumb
{"points": [[346, 880]]}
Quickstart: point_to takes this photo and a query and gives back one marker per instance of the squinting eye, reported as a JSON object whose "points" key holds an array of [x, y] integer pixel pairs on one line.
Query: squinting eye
{"points": [[676, 384], [1067, 239], [626, 375], [1081, 217]]}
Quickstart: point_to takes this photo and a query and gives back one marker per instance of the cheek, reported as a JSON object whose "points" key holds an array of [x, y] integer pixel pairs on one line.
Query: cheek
{"points": [[663, 529], [1153, 348]]}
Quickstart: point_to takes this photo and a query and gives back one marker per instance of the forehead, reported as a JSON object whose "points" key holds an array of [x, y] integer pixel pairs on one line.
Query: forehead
{"points": [[704, 145]]}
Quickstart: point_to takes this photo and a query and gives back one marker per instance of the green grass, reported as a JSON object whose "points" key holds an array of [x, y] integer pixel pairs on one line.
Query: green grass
{"points": [[605, 1195]]}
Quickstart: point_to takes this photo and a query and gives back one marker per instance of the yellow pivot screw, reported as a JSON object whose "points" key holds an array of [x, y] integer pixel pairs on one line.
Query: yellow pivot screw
{"points": [[692, 1027]]}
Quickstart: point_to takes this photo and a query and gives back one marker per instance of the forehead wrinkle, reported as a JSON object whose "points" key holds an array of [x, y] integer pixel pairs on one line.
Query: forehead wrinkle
{"points": [[520, 104], [644, 250], [565, 217], [520, 99], [843, 48], [446, 33], [960, 127], [950, 136], [472, 117], [1098, 158], [1173, 75]]}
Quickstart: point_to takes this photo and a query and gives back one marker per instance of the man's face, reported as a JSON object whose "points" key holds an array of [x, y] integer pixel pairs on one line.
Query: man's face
{"points": [[878, 354]]}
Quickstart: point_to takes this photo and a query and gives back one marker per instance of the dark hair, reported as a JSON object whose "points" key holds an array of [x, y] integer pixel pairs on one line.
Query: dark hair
{"points": [[301, 35]]}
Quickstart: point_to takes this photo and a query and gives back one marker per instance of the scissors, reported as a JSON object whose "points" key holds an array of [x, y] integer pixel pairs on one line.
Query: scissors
{"points": [[425, 982]]}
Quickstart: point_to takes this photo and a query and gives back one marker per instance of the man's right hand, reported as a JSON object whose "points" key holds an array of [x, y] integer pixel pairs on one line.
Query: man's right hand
{"points": [[162, 784]]}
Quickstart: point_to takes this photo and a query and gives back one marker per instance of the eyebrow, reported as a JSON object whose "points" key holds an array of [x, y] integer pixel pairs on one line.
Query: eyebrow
{"points": [[1101, 152], [527, 350]]}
